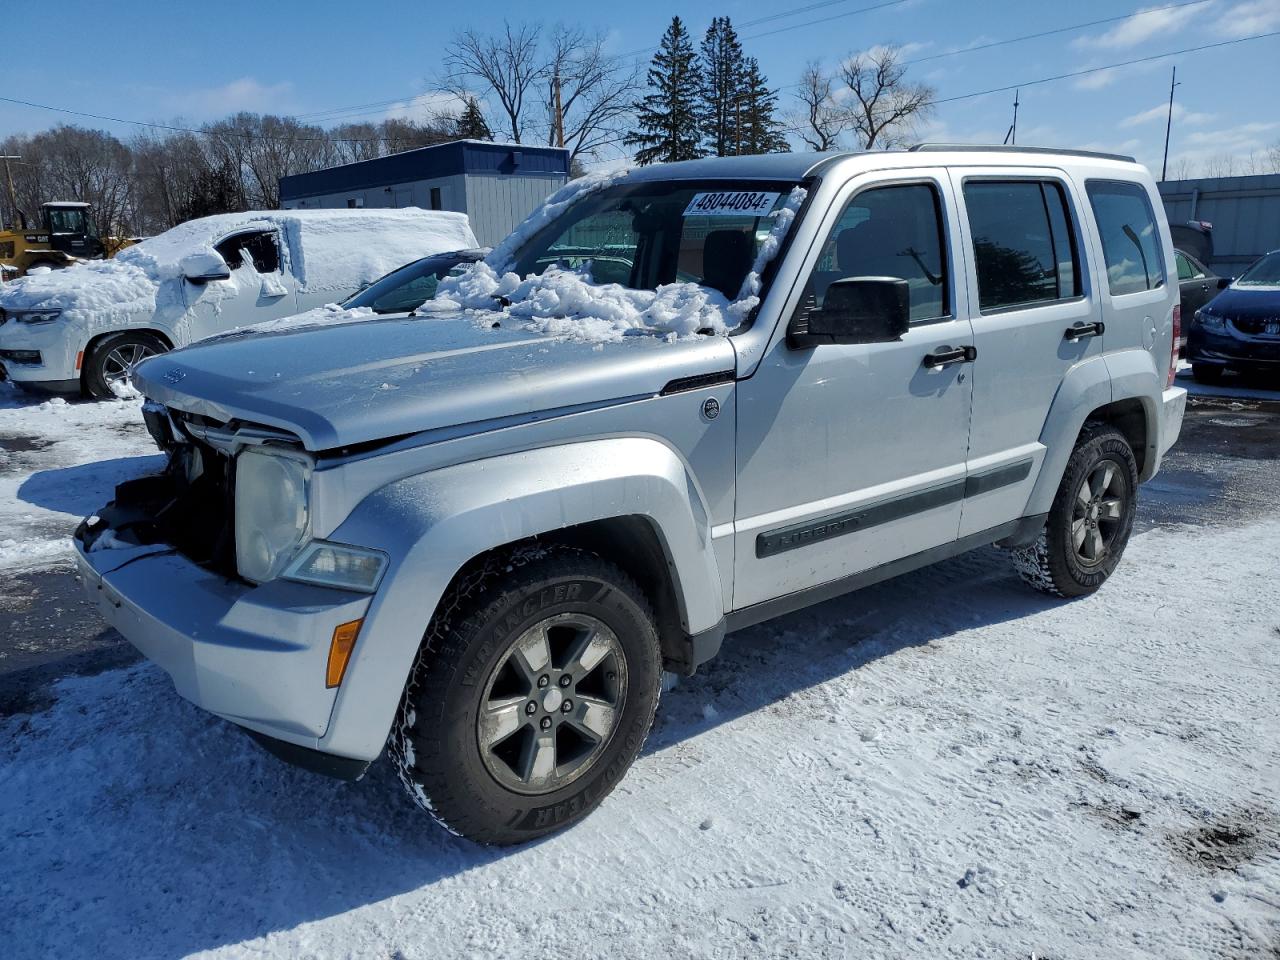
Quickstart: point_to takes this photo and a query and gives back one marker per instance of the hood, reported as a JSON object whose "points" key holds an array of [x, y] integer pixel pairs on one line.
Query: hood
{"points": [[352, 383], [99, 288], [1250, 302]]}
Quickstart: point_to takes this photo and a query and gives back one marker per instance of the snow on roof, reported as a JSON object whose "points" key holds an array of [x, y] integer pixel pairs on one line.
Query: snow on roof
{"points": [[65, 203]]}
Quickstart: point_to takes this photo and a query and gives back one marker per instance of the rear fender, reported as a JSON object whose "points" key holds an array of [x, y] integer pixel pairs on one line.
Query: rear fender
{"points": [[433, 524]]}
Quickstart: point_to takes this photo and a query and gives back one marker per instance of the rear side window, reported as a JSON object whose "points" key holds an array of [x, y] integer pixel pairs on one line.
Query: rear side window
{"points": [[1130, 241], [1024, 249]]}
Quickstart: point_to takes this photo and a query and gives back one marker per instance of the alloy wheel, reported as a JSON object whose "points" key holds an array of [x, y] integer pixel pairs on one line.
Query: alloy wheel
{"points": [[1098, 512], [552, 703], [118, 366]]}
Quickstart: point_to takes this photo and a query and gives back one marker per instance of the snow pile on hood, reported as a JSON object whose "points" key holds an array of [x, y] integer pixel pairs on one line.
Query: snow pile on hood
{"points": [[325, 250], [567, 304]]}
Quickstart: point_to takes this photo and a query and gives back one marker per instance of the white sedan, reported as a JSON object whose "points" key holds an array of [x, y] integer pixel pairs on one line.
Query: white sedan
{"points": [[86, 328]]}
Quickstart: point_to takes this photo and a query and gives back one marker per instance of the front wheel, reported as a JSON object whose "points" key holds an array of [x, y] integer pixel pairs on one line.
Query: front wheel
{"points": [[110, 365], [1091, 518], [534, 690]]}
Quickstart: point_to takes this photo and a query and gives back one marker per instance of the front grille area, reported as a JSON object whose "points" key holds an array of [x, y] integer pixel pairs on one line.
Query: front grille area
{"points": [[1255, 326]]}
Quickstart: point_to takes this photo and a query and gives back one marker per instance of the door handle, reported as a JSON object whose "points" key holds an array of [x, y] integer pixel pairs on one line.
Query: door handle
{"points": [[1079, 331], [948, 355]]}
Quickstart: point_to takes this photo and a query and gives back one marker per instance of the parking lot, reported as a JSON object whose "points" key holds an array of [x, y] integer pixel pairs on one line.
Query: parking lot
{"points": [[943, 765]]}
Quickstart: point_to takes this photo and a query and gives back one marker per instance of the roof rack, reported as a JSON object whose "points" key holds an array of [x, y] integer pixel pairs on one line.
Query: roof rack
{"points": [[1005, 148]]}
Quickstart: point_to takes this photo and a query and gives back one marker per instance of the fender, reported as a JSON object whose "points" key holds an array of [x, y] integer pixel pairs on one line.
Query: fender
{"points": [[1135, 376], [1085, 388], [432, 524]]}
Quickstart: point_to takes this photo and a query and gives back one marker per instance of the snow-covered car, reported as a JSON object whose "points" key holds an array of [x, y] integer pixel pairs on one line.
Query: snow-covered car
{"points": [[481, 531], [87, 328]]}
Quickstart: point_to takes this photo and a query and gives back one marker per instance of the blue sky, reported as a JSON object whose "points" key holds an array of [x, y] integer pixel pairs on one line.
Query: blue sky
{"points": [[157, 62]]}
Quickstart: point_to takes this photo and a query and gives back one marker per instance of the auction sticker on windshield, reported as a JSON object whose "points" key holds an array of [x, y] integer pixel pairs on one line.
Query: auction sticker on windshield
{"points": [[737, 203]]}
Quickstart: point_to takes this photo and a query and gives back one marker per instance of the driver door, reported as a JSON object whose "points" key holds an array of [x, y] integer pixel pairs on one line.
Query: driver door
{"points": [[853, 455], [259, 288]]}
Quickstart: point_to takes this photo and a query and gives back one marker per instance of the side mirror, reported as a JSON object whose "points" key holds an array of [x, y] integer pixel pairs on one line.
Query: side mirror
{"points": [[1224, 282], [857, 310], [204, 266]]}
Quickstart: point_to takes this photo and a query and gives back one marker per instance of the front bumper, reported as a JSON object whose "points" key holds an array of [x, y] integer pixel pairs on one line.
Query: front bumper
{"points": [[52, 343], [253, 655], [1225, 348]]}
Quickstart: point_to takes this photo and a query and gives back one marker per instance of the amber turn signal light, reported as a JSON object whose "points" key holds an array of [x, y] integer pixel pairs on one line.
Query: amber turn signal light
{"points": [[344, 640]]}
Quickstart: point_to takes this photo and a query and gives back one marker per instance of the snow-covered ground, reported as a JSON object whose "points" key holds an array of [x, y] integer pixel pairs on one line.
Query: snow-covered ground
{"points": [[59, 461], [944, 765]]}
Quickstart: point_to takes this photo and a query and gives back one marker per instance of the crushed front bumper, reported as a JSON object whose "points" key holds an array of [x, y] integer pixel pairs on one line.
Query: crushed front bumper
{"points": [[253, 655]]}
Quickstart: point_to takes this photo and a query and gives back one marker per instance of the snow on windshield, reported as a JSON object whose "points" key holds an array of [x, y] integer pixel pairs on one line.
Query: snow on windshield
{"points": [[567, 303]]}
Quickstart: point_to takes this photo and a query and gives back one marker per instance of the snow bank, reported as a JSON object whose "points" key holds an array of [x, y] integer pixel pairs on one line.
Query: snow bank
{"points": [[567, 304]]}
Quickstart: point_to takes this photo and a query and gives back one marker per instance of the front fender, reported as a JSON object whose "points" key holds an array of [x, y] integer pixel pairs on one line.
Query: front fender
{"points": [[433, 524]]}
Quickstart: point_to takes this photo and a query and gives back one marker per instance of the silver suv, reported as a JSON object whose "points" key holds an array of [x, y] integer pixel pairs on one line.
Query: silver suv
{"points": [[480, 534]]}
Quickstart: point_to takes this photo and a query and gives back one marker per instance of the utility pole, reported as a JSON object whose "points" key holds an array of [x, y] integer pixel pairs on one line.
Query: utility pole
{"points": [[1012, 135], [559, 109], [1168, 127], [13, 201]]}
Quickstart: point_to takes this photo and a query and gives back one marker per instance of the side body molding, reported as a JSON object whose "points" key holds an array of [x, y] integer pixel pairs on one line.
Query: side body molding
{"points": [[431, 525]]}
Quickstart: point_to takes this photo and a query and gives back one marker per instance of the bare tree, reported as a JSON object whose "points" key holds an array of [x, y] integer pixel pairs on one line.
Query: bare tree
{"points": [[73, 163], [507, 65], [1182, 169], [819, 121], [596, 90], [883, 106], [1221, 165]]}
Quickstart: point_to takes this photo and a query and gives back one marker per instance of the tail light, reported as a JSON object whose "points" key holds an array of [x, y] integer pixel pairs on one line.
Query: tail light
{"points": [[1178, 342]]}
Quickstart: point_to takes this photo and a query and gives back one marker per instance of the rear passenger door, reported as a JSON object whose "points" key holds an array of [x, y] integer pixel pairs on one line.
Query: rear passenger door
{"points": [[1034, 318]]}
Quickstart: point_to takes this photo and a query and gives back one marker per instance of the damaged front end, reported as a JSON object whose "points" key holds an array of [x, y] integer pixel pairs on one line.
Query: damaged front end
{"points": [[189, 506]]}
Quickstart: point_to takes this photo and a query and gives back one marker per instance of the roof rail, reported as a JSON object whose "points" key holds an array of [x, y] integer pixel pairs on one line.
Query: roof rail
{"points": [[1005, 148]]}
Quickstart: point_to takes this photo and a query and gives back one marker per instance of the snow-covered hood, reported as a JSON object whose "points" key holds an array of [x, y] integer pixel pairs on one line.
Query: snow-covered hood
{"points": [[351, 383], [107, 289]]}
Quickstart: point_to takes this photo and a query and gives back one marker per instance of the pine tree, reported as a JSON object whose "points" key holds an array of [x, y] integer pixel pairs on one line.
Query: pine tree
{"points": [[471, 125], [722, 75], [760, 131], [669, 126]]}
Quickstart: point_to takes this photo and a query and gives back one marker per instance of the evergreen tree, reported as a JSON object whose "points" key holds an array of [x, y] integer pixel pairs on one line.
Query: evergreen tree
{"points": [[471, 125], [722, 81], [760, 130], [668, 122]]}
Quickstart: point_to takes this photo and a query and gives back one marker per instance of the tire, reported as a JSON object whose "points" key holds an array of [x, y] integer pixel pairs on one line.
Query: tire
{"points": [[108, 369], [1081, 543], [476, 720], [1205, 373]]}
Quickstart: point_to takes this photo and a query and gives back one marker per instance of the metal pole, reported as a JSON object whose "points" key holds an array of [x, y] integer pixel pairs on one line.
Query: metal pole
{"points": [[13, 201], [559, 112], [1168, 127]]}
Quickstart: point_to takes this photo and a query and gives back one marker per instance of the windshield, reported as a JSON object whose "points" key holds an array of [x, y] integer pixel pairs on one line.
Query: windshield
{"points": [[645, 235], [1264, 273], [67, 220], [410, 286]]}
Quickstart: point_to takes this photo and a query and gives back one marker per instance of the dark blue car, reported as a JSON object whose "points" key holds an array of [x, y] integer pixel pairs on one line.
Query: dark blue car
{"points": [[1239, 329]]}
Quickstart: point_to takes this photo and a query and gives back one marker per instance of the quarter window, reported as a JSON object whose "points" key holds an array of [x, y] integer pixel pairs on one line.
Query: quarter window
{"points": [[887, 232], [1130, 240], [1024, 249]]}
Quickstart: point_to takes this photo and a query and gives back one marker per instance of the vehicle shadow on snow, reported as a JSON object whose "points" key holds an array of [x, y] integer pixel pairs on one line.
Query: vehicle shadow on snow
{"points": [[182, 836], [82, 489]]}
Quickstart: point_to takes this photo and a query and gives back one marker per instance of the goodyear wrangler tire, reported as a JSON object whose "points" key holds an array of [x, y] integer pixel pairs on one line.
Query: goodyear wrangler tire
{"points": [[1091, 518], [533, 692]]}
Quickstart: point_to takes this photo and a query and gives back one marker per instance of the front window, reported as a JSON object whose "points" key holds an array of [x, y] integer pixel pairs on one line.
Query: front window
{"points": [[66, 220], [642, 236], [407, 288], [1264, 273], [257, 246]]}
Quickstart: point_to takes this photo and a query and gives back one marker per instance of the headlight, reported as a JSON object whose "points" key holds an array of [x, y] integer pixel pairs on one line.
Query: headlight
{"points": [[272, 513], [338, 565], [1210, 321], [37, 316]]}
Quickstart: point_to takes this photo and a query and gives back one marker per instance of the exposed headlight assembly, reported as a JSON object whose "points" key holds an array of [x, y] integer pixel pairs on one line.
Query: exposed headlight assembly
{"points": [[37, 316], [272, 511]]}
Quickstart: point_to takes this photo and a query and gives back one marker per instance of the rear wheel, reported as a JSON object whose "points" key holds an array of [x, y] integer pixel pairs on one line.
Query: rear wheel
{"points": [[1091, 518], [1206, 373], [534, 690], [110, 365]]}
